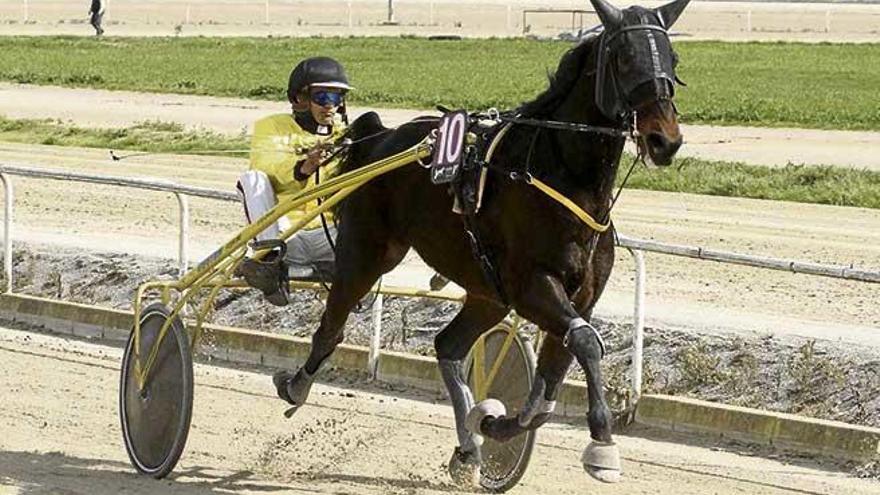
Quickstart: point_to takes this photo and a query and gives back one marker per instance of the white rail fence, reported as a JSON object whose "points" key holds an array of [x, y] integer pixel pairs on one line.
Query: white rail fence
{"points": [[635, 246]]}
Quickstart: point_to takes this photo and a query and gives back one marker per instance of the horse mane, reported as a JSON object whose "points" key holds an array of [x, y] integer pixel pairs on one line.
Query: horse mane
{"points": [[570, 68]]}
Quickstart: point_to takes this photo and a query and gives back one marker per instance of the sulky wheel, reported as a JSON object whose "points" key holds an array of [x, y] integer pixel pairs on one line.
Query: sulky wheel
{"points": [[503, 463], [155, 420]]}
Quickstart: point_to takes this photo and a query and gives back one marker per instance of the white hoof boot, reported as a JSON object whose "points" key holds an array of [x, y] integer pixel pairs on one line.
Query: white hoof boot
{"points": [[464, 469], [602, 461], [485, 409]]}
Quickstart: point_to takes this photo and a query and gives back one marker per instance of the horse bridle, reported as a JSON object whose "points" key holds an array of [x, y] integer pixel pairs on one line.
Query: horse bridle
{"points": [[621, 95], [628, 127]]}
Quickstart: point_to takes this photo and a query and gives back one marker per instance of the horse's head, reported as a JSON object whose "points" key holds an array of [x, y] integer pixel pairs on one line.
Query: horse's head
{"points": [[635, 77]]}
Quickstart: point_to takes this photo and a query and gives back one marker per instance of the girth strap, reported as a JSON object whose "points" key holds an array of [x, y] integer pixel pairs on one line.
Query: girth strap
{"points": [[490, 274]]}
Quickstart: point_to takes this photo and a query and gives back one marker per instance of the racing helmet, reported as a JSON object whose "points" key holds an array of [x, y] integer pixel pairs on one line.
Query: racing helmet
{"points": [[320, 71]]}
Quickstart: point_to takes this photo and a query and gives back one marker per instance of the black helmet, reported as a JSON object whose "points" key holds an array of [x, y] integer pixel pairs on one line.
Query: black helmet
{"points": [[322, 71]]}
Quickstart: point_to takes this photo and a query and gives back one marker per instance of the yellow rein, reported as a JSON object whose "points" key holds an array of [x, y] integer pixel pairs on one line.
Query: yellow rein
{"points": [[577, 210], [549, 191]]}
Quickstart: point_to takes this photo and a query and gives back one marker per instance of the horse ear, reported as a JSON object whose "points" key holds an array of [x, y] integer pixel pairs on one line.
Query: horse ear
{"points": [[610, 15], [669, 13]]}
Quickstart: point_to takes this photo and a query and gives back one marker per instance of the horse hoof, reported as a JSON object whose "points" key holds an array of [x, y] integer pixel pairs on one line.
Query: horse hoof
{"points": [[280, 380], [489, 408], [293, 389], [464, 468], [601, 460]]}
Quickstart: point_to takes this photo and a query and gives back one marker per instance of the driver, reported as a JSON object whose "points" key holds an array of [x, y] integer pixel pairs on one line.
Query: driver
{"points": [[289, 152]]}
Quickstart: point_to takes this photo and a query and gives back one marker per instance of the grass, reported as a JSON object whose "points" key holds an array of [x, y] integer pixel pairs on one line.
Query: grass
{"points": [[819, 184], [801, 183], [766, 84], [148, 136]]}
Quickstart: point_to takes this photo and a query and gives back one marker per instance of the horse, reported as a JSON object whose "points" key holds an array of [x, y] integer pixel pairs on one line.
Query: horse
{"points": [[545, 263]]}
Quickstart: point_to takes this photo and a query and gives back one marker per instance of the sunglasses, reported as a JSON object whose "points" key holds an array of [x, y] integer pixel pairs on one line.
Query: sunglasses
{"points": [[325, 98]]}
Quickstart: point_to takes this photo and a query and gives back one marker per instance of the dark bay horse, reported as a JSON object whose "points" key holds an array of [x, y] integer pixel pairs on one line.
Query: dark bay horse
{"points": [[550, 267]]}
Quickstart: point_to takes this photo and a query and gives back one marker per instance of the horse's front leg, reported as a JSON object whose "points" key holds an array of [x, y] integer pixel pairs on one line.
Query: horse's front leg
{"points": [[546, 304], [553, 362]]}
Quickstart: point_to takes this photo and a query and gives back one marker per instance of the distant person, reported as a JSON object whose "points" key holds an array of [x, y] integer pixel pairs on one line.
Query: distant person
{"points": [[97, 14]]}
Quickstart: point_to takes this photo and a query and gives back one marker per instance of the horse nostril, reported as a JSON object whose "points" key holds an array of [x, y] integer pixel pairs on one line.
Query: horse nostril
{"points": [[675, 145], [657, 141]]}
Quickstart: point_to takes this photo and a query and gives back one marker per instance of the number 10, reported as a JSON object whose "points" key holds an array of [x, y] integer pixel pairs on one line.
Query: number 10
{"points": [[451, 133]]}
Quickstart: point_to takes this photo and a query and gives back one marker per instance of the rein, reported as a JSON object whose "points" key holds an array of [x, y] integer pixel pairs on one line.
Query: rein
{"points": [[628, 130], [560, 198], [570, 126]]}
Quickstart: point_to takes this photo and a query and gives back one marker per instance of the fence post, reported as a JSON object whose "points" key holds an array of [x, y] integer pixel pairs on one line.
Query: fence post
{"points": [[391, 12], [7, 232], [267, 12], [828, 21], [186, 20], [638, 324], [431, 13], [350, 17], [509, 15], [182, 256], [375, 342]]}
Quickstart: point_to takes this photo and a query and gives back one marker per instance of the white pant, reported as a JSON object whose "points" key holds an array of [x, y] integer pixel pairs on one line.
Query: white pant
{"points": [[258, 198], [307, 249]]}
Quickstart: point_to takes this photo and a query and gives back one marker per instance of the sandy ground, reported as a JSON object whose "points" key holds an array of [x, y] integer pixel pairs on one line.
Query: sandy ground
{"points": [[98, 108], [681, 292], [61, 435], [703, 20]]}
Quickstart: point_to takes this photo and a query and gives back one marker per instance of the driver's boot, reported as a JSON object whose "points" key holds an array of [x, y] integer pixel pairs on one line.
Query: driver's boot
{"points": [[268, 274]]}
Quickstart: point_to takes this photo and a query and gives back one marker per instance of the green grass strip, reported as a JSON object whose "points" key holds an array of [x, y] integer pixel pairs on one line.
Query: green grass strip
{"points": [[831, 86], [150, 136], [818, 184], [801, 183]]}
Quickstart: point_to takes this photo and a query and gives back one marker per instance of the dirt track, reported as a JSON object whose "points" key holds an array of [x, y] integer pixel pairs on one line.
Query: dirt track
{"points": [[61, 435]]}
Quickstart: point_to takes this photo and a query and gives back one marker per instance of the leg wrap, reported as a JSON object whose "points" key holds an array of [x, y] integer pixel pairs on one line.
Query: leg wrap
{"points": [[538, 402], [578, 324], [462, 401], [293, 388]]}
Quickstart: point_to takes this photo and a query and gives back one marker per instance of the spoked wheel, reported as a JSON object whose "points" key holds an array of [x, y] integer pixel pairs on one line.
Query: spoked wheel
{"points": [[504, 372], [155, 420]]}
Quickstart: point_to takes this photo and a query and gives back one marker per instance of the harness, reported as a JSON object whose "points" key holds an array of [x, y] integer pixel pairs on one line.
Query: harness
{"points": [[609, 100], [471, 179]]}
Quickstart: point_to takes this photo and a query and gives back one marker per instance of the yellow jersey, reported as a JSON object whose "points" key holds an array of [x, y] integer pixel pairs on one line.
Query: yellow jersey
{"points": [[279, 143]]}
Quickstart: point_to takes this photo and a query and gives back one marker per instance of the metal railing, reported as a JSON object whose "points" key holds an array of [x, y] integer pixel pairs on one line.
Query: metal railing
{"points": [[179, 191], [636, 247]]}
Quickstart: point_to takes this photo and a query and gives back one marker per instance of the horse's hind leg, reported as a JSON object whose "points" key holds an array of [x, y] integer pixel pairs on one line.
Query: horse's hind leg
{"points": [[452, 345], [363, 255]]}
